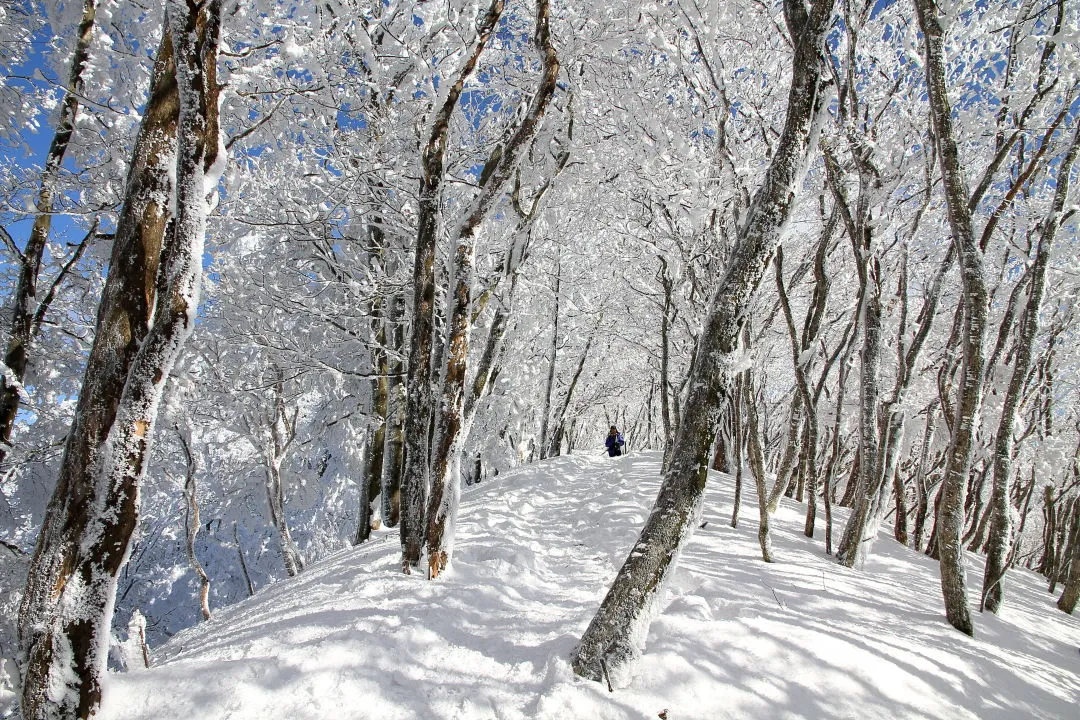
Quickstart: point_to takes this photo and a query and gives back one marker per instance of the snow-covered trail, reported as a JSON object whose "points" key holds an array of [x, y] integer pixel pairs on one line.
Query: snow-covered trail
{"points": [[354, 638]]}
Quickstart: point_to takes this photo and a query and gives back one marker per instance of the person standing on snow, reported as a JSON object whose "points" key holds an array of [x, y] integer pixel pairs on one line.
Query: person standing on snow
{"points": [[614, 442]]}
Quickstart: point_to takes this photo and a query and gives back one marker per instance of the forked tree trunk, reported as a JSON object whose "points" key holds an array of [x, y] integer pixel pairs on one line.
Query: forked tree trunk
{"points": [[420, 398], [66, 613], [608, 647], [950, 519], [450, 431], [28, 308]]}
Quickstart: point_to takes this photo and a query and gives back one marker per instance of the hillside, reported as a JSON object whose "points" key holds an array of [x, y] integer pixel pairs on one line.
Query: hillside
{"points": [[353, 637]]}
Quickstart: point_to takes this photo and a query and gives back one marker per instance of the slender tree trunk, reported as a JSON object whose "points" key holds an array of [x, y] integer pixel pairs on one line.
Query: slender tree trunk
{"points": [[66, 613], [757, 468], [26, 304], [560, 417], [394, 437], [736, 405], [282, 429], [950, 523], [608, 645], [921, 489], [549, 386], [192, 524], [1001, 540], [371, 484]]}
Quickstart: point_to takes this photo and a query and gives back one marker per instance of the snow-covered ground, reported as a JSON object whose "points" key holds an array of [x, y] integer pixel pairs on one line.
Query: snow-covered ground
{"points": [[354, 638]]}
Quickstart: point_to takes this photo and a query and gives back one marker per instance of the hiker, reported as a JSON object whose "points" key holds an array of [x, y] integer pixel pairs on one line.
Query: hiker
{"points": [[614, 442]]}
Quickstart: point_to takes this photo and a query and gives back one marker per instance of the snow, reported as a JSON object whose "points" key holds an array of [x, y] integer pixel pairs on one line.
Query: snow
{"points": [[353, 637]]}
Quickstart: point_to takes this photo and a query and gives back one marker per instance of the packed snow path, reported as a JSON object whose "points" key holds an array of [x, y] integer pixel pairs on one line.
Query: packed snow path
{"points": [[354, 638]]}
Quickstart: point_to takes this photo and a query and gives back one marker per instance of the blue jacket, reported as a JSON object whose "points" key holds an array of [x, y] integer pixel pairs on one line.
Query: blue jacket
{"points": [[614, 444]]}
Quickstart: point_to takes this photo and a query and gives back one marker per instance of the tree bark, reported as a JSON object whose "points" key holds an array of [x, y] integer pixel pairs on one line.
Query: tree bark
{"points": [[608, 645], [950, 524], [66, 613], [757, 468]]}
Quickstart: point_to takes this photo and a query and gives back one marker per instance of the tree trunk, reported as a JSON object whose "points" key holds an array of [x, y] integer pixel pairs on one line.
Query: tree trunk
{"points": [[420, 399], [757, 468], [371, 483], [549, 386], [192, 524], [950, 524], [394, 436], [25, 318], [449, 431], [66, 613], [1071, 594], [1001, 540], [282, 429], [608, 645]]}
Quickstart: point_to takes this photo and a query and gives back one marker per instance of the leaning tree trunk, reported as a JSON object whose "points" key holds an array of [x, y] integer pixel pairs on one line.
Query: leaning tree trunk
{"points": [[420, 398], [608, 646], [1000, 541], [950, 522], [66, 613], [449, 430], [25, 316]]}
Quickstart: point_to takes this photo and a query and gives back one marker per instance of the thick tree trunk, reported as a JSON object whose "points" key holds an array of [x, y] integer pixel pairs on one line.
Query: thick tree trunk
{"points": [[1000, 540], [66, 613], [420, 399], [27, 307], [950, 523], [608, 645]]}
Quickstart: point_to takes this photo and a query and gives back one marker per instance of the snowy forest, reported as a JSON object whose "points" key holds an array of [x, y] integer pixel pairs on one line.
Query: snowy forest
{"points": [[281, 276]]}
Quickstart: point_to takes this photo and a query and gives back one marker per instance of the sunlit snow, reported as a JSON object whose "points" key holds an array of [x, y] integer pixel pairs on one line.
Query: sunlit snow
{"points": [[354, 638]]}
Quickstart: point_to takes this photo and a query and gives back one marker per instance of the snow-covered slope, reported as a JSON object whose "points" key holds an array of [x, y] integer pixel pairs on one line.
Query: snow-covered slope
{"points": [[803, 637]]}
